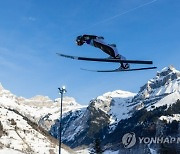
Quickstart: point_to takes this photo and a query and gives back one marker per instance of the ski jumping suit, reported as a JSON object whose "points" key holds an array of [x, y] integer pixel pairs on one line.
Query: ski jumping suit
{"points": [[109, 49]]}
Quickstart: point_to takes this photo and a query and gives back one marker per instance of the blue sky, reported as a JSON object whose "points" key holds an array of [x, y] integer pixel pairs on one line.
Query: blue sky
{"points": [[32, 31]]}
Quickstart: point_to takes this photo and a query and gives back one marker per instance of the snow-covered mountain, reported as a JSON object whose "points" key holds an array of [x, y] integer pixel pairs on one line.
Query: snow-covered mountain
{"points": [[20, 135], [115, 104], [42, 105], [155, 112], [19, 118], [112, 113], [163, 89], [108, 117], [101, 112]]}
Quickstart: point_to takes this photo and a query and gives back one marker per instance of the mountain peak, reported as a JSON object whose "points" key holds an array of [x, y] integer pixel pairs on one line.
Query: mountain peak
{"points": [[40, 98], [166, 82], [168, 70], [118, 93], [165, 79], [1, 87], [5, 93]]}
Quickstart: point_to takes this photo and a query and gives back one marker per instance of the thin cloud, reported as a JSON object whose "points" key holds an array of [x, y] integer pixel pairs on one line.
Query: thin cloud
{"points": [[4, 62], [30, 19], [13, 59], [117, 15]]}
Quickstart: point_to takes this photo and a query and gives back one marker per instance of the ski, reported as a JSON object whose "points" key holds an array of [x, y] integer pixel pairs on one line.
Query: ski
{"points": [[120, 70], [113, 60]]}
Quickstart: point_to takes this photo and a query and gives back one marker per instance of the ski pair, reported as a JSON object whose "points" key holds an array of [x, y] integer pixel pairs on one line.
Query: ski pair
{"points": [[112, 60]]}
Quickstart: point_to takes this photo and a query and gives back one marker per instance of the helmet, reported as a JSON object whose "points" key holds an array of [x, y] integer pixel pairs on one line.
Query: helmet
{"points": [[79, 40]]}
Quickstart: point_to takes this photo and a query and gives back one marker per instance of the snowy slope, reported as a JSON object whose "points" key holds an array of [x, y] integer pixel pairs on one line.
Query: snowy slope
{"points": [[163, 89], [160, 115], [104, 113], [169, 119], [37, 107], [83, 123], [116, 104], [18, 135]]}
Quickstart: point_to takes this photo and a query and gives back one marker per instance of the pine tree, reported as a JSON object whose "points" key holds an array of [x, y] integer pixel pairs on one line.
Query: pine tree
{"points": [[1, 129], [96, 147]]}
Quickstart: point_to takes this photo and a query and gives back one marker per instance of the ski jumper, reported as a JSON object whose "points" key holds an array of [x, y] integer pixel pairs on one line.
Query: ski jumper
{"points": [[109, 49], [98, 42]]}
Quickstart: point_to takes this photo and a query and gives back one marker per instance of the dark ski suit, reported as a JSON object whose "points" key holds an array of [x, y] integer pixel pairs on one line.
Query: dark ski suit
{"points": [[109, 49]]}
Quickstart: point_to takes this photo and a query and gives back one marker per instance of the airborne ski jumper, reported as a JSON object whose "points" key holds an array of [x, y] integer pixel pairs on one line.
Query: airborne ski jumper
{"points": [[111, 50], [98, 42]]}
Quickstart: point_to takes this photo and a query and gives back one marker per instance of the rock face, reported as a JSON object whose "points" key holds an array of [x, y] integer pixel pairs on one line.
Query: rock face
{"points": [[40, 109], [110, 116], [81, 126], [19, 118], [48, 119], [153, 111], [18, 134], [156, 112], [166, 82]]}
